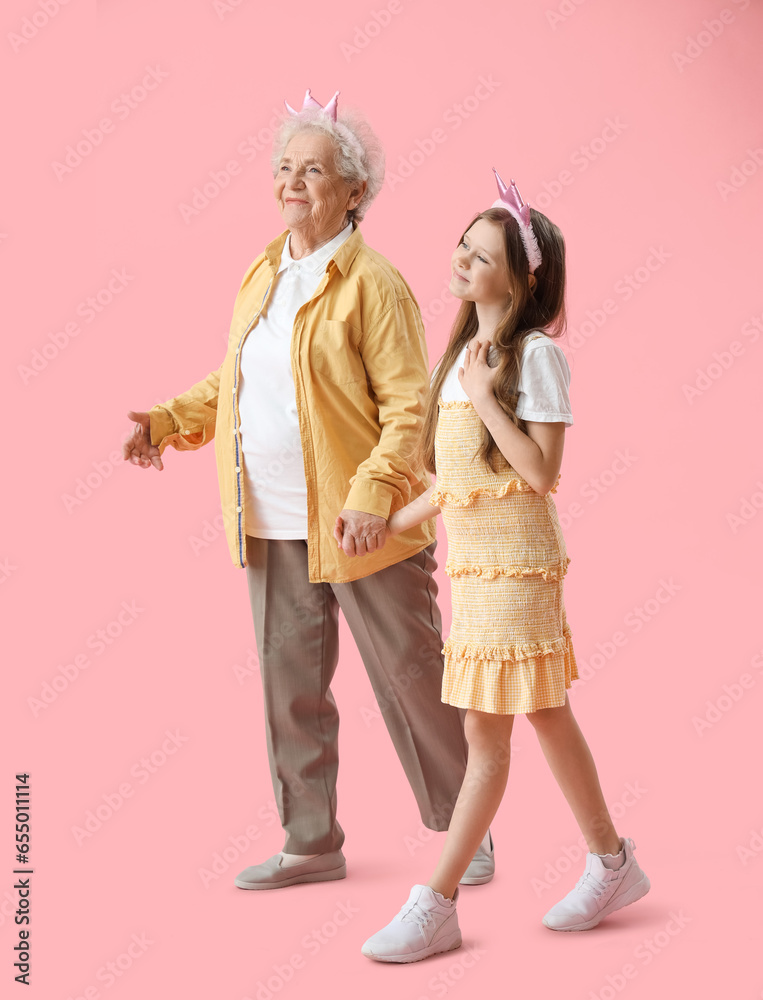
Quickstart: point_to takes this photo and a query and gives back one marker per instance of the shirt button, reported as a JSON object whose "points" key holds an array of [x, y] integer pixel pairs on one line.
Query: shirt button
{"points": [[234, 430], [186, 433], [238, 509], [238, 468]]}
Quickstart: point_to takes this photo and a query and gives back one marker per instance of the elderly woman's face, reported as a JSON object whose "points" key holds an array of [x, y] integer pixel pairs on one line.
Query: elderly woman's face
{"points": [[309, 191]]}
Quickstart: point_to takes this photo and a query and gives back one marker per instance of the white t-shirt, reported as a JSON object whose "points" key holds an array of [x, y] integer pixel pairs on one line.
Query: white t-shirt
{"points": [[274, 472], [544, 380]]}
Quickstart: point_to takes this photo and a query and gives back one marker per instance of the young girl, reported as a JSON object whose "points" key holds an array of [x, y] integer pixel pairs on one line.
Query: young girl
{"points": [[495, 424]]}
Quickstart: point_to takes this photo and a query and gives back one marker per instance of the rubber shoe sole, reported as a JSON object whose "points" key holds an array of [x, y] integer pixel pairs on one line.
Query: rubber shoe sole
{"points": [[449, 943], [327, 876], [477, 880], [641, 888]]}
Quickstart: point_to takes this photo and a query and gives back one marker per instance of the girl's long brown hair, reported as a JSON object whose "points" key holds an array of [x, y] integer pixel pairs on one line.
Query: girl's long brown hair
{"points": [[543, 308]]}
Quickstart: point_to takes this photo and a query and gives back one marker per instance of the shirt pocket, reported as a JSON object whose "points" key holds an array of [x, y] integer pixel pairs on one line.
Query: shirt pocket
{"points": [[334, 352]]}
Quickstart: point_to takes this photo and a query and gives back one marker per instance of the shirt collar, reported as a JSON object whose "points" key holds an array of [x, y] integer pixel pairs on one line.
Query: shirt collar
{"points": [[343, 256], [316, 261]]}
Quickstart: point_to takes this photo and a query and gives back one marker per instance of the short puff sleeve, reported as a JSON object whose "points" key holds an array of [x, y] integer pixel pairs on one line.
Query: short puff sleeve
{"points": [[544, 380]]}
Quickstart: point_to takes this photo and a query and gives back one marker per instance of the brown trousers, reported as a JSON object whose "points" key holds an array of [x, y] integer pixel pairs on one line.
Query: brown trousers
{"points": [[396, 624]]}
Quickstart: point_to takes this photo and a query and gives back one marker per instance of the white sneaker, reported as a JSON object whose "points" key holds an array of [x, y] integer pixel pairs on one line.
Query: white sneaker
{"points": [[426, 925], [598, 892]]}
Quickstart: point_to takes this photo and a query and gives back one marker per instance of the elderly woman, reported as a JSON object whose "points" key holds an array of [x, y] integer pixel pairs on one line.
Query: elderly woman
{"points": [[315, 412]]}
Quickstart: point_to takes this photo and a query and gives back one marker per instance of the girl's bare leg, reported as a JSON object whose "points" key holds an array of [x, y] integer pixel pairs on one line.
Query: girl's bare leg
{"points": [[572, 765], [487, 771]]}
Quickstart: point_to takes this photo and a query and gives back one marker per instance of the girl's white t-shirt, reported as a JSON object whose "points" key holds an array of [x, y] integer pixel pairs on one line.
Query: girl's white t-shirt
{"points": [[544, 381]]}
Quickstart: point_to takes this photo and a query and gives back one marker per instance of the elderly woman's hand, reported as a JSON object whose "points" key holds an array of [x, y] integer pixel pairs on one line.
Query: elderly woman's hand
{"points": [[138, 448], [358, 533]]}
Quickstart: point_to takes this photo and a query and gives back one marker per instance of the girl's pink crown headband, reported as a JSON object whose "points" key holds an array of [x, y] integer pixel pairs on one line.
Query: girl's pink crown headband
{"points": [[310, 104], [511, 200]]}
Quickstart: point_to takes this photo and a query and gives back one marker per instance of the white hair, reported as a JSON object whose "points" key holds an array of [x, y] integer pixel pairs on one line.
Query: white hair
{"points": [[358, 153]]}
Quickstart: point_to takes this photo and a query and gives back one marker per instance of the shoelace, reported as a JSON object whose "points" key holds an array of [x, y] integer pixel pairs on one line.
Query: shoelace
{"points": [[589, 883], [417, 914]]}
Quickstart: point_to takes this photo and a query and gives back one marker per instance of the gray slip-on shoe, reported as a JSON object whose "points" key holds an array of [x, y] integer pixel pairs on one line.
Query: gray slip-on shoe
{"points": [[482, 866], [272, 875]]}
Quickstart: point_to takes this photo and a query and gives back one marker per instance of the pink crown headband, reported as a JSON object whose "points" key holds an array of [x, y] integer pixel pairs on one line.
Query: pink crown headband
{"points": [[310, 104], [330, 111], [511, 200]]}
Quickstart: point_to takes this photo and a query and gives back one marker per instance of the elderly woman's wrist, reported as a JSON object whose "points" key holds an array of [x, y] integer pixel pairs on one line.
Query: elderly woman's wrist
{"points": [[370, 497], [161, 424]]}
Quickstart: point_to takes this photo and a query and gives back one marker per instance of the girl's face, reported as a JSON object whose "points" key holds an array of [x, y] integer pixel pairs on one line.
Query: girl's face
{"points": [[480, 271]]}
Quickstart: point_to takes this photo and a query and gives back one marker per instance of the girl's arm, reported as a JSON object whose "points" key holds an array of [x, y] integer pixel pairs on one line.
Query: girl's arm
{"points": [[536, 455], [414, 513]]}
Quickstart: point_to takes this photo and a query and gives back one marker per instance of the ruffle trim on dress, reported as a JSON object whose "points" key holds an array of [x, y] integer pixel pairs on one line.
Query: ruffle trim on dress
{"points": [[491, 572], [510, 687], [456, 404], [462, 498], [505, 653]]}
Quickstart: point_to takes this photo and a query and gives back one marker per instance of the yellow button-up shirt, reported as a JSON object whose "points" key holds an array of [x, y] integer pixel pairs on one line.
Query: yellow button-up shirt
{"points": [[360, 367]]}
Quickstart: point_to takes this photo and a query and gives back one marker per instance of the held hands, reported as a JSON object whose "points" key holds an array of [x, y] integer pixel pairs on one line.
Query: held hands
{"points": [[138, 449], [476, 377], [358, 533]]}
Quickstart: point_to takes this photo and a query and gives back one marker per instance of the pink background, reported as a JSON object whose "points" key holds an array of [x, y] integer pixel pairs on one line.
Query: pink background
{"points": [[668, 193]]}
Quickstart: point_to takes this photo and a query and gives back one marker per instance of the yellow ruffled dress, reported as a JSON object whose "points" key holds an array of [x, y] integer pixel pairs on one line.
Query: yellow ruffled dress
{"points": [[510, 649]]}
